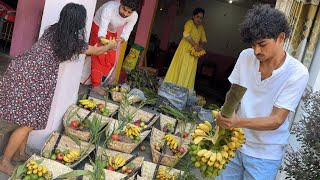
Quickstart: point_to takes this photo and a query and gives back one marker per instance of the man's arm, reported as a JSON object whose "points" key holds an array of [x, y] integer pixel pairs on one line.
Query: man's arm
{"points": [[104, 23], [272, 122]]}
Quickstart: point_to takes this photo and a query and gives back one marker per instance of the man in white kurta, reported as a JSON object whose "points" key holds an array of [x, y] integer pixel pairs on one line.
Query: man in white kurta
{"points": [[109, 17]]}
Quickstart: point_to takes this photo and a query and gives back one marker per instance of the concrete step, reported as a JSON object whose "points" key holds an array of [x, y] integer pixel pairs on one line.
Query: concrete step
{"points": [[6, 130]]}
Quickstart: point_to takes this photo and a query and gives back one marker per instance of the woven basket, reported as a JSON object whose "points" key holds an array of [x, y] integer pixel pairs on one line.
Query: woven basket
{"points": [[110, 106], [67, 143], [138, 115], [55, 167], [148, 169], [156, 137], [109, 175], [167, 119], [123, 146], [76, 113]]}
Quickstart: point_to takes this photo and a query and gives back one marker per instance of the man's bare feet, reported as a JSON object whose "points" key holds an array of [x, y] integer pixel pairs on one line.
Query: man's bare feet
{"points": [[99, 90], [20, 157], [6, 167]]}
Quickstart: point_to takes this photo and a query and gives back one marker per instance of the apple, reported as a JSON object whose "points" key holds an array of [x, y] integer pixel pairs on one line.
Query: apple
{"points": [[60, 157], [53, 157], [57, 151], [74, 124], [115, 137], [142, 148], [185, 134], [100, 106], [181, 149], [137, 123], [110, 168], [128, 170], [142, 124]]}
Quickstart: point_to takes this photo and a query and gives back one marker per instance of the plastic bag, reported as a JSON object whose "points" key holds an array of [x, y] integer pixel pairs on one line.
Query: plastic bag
{"points": [[137, 95], [192, 99], [175, 94], [205, 115]]}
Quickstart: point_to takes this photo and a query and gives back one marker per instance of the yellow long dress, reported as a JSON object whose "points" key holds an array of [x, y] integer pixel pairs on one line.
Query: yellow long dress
{"points": [[183, 67]]}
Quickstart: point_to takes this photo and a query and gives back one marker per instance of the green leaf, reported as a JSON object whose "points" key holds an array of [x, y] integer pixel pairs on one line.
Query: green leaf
{"points": [[74, 138], [75, 173]]}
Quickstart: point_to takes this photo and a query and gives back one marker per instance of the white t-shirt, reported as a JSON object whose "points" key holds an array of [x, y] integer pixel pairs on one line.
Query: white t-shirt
{"points": [[108, 19], [283, 89]]}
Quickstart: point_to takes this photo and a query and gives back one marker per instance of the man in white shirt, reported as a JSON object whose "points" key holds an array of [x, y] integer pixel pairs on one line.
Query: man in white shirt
{"points": [[275, 82], [108, 18]]}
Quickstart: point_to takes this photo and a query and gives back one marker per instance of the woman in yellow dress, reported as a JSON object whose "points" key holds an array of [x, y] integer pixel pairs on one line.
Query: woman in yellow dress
{"points": [[183, 68]]}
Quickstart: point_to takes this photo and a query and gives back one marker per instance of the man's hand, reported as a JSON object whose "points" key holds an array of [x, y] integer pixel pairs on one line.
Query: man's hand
{"points": [[227, 123]]}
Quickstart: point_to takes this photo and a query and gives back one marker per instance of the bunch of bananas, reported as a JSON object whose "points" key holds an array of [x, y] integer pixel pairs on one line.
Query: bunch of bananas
{"points": [[72, 156], [164, 175], [212, 161], [116, 162], [171, 141], [88, 103], [34, 169], [195, 53], [105, 41], [202, 132], [132, 130], [201, 101]]}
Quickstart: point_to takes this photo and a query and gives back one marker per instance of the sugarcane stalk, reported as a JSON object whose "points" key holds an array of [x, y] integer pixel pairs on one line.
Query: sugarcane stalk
{"points": [[233, 98]]}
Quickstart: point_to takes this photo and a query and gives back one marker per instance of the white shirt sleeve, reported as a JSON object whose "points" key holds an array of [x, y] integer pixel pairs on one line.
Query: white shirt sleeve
{"points": [[104, 23], [129, 26], [290, 96]]}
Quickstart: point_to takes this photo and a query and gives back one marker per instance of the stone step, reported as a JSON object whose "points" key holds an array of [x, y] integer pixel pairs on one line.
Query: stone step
{"points": [[6, 130]]}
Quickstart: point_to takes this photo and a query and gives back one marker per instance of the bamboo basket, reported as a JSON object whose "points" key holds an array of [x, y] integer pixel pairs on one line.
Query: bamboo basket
{"points": [[148, 169], [55, 167], [76, 113], [138, 115], [109, 175], [167, 160], [123, 146], [167, 119], [67, 143], [110, 106]]}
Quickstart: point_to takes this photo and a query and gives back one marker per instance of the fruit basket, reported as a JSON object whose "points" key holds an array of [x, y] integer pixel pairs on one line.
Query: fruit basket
{"points": [[138, 117], [126, 139], [110, 175], [119, 162], [164, 172], [74, 122], [111, 107], [176, 147], [40, 168], [68, 151]]}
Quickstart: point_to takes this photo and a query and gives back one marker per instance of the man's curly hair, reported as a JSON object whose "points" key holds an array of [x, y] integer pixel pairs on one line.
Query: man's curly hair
{"points": [[262, 22], [132, 4]]}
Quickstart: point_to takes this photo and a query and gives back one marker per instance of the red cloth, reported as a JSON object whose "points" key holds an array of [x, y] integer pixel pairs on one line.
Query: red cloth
{"points": [[7, 12], [102, 64]]}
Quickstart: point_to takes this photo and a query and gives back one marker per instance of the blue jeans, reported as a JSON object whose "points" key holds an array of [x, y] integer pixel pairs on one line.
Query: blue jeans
{"points": [[243, 167]]}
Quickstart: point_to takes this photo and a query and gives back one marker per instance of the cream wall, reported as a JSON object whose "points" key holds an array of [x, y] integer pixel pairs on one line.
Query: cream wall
{"points": [[69, 73], [221, 24]]}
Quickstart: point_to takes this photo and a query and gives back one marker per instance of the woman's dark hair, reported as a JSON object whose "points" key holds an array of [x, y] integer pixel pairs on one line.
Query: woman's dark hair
{"points": [[68, 34], [132, 4], [263, 22], [197, 11]]}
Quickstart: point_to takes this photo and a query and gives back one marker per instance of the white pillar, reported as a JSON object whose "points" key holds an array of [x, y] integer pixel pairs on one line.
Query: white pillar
{"points": [[69, 73]]}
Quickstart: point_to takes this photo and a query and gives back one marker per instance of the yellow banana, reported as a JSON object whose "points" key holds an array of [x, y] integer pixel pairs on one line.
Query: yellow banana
{"points": [[198, 139], [44, 169], [219, 157], [201, 152], [204, 127], [203, 159], [213, 157], [207, 123], [210, 163], [207, 154], [200, 132], [224, 154]]}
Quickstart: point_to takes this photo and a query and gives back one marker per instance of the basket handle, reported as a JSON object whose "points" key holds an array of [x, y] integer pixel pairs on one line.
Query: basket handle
{"points": [[58, 140], [150, 120], [159, 160]]}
